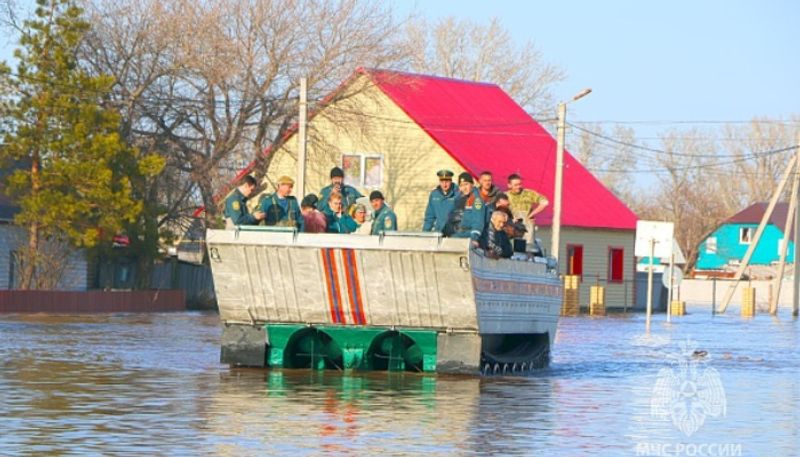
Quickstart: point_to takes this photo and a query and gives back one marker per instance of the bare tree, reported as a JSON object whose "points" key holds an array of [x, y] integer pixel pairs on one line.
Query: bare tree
{"points": [[756, 167], [214, 83], [459, 48], [684, 194], [607, 156]]}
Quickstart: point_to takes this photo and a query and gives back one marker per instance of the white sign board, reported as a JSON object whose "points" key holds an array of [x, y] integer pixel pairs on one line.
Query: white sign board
{"points": [[653, 231]]}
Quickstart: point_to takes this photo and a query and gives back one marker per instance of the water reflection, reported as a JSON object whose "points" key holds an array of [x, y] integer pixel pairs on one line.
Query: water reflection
{"points": [[343, 414]]}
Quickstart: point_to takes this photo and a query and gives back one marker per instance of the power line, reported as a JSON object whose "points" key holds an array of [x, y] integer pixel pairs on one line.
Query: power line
{"points": [[93, 94], [697, 122], [691, 167], [673, 153]]}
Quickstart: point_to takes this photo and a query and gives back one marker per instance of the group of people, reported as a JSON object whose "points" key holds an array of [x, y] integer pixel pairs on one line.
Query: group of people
{"points": [[489, 217], [336, 210], [480, 212]]}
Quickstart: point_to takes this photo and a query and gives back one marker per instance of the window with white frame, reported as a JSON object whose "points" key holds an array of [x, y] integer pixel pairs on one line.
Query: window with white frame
{"points": [[745, 235], [363, 170], [711, 245]]}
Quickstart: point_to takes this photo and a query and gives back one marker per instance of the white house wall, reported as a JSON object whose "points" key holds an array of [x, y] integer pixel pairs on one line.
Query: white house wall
{"points": [[596, 244], [75, 275]]}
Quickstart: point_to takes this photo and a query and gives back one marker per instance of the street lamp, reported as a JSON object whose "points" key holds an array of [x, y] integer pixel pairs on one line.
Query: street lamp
{"points": [[562, 124]]}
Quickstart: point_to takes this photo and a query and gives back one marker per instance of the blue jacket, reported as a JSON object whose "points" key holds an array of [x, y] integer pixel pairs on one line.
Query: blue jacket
{"points": [[469, 216], [437, 213], [384, 220], [343, 224], [274, 214], [236, 209], [349, 196]]}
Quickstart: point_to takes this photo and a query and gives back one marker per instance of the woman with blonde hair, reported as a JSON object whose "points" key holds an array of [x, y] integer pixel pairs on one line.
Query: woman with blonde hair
{"points": [[361, 216]]}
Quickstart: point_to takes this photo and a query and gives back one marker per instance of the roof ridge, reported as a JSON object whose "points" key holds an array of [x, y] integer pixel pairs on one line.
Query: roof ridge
{"points": [[371, 71]]}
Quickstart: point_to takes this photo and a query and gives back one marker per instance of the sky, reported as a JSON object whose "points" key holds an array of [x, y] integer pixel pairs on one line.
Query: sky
{"points": [[701, 60]]}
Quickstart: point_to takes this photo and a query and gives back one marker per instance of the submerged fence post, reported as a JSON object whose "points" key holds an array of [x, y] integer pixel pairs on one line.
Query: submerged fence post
{"points": [[713, 296], [625, 303]]}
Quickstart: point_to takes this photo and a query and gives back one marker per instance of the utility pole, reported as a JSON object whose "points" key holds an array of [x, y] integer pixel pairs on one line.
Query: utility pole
{"points": [[671, 283], [301, 140], [559, 184], [796, 294], [650, 283], [788, 227], [760, 230], [560, 134]]}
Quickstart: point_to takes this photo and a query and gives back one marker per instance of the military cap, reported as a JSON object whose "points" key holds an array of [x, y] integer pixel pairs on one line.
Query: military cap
{"points": [[465, 177], [285, 180], [337, 172], [444, 174], [375, 194]]}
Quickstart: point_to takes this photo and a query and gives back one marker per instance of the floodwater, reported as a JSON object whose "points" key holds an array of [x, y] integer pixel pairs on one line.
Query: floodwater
{"points": [[152, 385]]}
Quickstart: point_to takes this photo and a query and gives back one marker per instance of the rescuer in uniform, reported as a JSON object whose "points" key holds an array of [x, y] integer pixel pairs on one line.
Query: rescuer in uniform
{"points": [[440, 203], [383, 218], [281, 208], [236, 212], [349, 193], [469, 216]]}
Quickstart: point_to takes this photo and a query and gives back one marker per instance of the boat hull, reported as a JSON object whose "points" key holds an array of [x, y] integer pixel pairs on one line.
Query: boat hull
{"points": [[410, 302]]}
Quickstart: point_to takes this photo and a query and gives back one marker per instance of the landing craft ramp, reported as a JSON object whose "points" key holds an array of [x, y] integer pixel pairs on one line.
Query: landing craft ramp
{"points": [[397, 301]]}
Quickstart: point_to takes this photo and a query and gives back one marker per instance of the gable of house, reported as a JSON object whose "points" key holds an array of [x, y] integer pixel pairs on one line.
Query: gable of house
{"points": [[381, 145]]}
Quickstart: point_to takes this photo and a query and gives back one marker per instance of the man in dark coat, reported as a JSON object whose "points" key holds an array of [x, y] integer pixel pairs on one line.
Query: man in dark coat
{"points": [[494, 240]]}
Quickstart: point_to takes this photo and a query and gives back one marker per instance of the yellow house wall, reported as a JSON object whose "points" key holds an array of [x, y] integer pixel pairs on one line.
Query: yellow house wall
{"points": [[596, 243], [368, 122]]}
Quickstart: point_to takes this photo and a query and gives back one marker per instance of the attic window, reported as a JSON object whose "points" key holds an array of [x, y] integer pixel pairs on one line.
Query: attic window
{"points": [[363, 170], [711, 245], [745, 235]]}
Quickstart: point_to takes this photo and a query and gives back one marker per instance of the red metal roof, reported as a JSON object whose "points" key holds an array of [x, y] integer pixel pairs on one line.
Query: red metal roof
{"points": [[753, 214], [482, 128]]}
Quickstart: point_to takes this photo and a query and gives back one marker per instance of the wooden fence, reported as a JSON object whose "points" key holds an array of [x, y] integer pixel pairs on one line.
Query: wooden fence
{"points": [[92, 301]]}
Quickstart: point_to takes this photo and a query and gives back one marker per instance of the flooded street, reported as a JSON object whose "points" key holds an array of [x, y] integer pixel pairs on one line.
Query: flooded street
{"points": [[152, 384]]}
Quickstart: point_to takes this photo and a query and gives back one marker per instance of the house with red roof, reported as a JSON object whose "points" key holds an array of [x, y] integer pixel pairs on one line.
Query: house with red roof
{"points": [[392, 131]]}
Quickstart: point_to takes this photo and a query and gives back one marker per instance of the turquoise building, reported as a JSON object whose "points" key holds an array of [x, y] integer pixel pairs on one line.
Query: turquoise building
{"points": [[728, 244]]}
